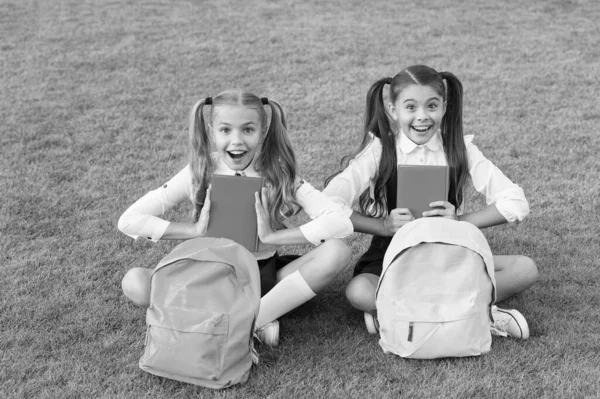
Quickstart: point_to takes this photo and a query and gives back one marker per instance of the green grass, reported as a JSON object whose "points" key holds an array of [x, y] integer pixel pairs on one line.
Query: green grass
{"points": [[94, 104]]}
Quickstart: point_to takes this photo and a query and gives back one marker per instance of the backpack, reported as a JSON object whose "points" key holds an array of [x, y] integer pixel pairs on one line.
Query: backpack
{"points": [[204, 298], [436, 290]]}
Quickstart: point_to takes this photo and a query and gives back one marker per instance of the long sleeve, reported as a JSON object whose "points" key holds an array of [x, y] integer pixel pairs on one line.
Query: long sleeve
{"points": [[498, 189], [329, 219], [348, 185], [143, 218]]}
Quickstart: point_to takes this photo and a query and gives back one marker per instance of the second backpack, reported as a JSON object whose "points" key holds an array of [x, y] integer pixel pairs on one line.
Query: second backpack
{"points": [[204, 298], [436, 290]]}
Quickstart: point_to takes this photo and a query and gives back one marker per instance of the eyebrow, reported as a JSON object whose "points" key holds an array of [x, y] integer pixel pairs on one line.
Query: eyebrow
{"points": [[429, 99], [244, 124]]}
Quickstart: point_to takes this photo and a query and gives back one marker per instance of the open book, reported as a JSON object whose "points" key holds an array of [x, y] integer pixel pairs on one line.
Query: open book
{"points": [[420, 185], [232, 212]]}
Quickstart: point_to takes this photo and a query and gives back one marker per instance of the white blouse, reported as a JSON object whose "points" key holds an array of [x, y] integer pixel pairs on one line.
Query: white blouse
{"points": [[143, 218], [486, 178]]}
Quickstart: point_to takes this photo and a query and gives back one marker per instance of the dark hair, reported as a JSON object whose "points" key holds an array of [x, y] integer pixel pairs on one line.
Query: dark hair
{"points": [[379, 123], [275, 161]]}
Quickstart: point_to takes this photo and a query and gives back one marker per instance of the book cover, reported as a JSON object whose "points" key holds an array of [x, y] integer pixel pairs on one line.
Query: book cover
{"points": [[420, 185], [232, 212]]}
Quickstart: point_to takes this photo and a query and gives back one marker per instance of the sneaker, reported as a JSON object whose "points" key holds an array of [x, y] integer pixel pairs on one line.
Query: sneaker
{"points": [[372, 323], [269, 333], [509, 323]]}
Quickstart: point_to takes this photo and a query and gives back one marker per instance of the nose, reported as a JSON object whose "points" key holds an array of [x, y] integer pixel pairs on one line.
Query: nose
{"points": [[421, 114], [236, 136]]}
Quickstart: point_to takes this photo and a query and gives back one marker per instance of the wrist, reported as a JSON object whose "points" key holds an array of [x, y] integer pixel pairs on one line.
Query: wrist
{"points": [[384, 230]]}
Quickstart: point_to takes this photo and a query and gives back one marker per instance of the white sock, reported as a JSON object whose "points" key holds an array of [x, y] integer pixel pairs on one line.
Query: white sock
{"points": [[288, 294]]}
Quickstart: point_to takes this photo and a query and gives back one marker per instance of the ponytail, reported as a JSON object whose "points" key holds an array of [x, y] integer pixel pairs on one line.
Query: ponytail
{"points": [[276, 162], [201, 161], [453, 140], [376, 122]]}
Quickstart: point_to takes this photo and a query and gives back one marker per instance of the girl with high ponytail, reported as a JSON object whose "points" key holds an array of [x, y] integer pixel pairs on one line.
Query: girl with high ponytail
{"points": [[422, 125], [244, 134]]}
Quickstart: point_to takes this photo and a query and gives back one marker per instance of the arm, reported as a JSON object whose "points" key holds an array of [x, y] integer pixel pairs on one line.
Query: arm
{"points": [[346, 187], [505, 200], [486, 217], [385, 227], [144, 217], [186, 231], [329, 219]]}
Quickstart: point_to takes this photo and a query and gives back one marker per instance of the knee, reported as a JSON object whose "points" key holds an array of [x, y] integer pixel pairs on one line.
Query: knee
{"points": [[361, 293], [353, 291], [529, 269], [136, 286]]}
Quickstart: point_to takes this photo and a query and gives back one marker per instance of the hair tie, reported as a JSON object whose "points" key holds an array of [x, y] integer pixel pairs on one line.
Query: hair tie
{"points": [[208, 101], [265, 100]]}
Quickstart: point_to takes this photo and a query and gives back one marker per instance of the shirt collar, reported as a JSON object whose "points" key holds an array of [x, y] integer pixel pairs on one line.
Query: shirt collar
{"points": [[406, 145]]}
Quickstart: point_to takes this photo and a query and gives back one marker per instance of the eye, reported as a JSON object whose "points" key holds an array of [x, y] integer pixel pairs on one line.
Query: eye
{"points": [[433, 106], [249, 130], [410, 107], [224, 129]]}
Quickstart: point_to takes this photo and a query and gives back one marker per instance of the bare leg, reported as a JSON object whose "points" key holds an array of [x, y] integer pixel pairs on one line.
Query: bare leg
{"points": [[514, 274], [319, 266], [136, 286], [299, 281], [361, 292]]}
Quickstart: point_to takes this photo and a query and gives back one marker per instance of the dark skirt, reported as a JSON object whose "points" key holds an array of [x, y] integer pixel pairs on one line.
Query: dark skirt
{"points": [[268, 270], [372, 260]]}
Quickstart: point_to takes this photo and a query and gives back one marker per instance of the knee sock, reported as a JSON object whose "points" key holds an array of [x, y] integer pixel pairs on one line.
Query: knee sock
{"points": [[287, 295]]}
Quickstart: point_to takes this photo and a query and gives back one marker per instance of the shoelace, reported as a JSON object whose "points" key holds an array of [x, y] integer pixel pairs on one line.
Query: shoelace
{"points": [[253, 352], [499, 327]]}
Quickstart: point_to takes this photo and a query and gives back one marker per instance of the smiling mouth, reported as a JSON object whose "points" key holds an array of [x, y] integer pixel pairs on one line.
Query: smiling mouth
{"points": [[421, 129], [236, 154]]}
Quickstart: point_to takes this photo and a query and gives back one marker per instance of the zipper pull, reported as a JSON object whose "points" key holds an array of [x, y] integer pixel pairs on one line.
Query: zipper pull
{"points": [[410, 331]]}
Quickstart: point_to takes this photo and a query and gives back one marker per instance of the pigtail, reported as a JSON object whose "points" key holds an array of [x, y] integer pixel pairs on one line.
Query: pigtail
{"points": [[276, 162], [453, 140], [201, 161], [377, 122]]}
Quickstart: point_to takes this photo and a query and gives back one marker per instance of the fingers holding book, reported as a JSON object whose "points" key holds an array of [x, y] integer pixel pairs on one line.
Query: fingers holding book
{"points": [[443, 208], [397, 218]]}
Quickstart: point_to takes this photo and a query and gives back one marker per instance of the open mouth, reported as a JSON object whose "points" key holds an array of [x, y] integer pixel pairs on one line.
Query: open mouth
{"points": [[421, 129], [238, 154]]}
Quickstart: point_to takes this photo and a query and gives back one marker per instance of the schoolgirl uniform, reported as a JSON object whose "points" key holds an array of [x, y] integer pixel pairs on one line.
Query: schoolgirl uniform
{"points": [[360, 174], [143, 218]]}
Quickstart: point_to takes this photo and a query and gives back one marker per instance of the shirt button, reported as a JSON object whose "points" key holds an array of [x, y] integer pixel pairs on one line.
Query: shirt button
{"points": [[165, 186], [322, 241]]}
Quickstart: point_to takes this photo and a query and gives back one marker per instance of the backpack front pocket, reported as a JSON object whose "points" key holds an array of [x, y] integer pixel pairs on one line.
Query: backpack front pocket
{"points": [[186, 343], [445, 325]]}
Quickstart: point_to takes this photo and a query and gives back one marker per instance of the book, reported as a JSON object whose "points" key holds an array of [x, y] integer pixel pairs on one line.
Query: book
{"points": [[232, 212], [420, 185]]}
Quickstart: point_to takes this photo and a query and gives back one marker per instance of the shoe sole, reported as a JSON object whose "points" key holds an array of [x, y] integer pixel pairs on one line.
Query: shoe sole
{"points": [[520, 320], [371, 324]]}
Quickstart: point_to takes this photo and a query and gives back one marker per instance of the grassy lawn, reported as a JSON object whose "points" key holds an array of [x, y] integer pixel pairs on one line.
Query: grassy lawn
{"points": [[93, 109]]}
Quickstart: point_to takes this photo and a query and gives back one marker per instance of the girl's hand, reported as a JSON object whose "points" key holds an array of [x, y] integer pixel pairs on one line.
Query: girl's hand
{"points": [[448, 211], [202, 223], [263, 220], [397, 218]]}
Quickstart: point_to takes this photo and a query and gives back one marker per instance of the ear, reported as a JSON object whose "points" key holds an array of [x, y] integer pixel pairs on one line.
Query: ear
{"points": [[392, 111]]}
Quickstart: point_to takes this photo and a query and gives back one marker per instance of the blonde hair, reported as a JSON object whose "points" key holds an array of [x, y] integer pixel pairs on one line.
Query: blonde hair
{"points": [[275, 161]]}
